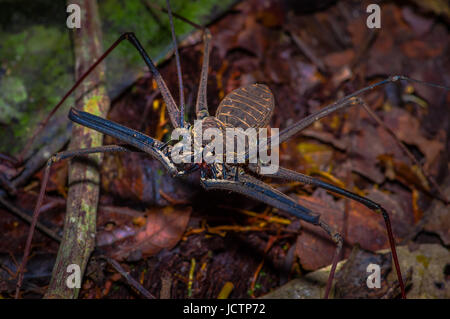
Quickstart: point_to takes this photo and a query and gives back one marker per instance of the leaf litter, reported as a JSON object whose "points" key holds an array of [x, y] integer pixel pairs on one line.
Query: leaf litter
{"points": [[308, 60]]}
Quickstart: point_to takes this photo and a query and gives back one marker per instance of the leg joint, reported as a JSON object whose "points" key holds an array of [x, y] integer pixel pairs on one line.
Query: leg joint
{"points": [[207, 34], [395, 78], [128, 35], [53, 159], [335, 236], [383, 212]]}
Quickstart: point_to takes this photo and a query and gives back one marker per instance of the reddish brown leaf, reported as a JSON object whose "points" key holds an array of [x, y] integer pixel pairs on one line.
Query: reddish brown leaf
{"points": [[408, 129], [438, 218], [420, 49], [363, 226], [339, 59], [406, 174], [419, 24], [164, 229], [137, 177]]}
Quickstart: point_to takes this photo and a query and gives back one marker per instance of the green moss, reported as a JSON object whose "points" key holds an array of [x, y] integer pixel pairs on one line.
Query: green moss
{"points": [[38, 63], [87, 208], [12, 92], [92, 104], [423, 260], [15, 89], [36, 57]]}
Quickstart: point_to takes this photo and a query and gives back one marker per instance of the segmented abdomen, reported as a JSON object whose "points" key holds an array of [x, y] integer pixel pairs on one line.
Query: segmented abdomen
{"points": [[249, 106]]}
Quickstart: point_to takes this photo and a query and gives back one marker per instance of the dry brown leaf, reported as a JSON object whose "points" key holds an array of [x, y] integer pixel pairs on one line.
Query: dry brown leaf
{"points": [[164, 229], [438, 217], [351, 278], [426, 262], [408, 175], [429, 263], [420, 49], [363, 226], [408, 129], [336, 60]]}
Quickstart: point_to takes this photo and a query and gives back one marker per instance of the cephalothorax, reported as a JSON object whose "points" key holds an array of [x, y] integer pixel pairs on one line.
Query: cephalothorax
{"points": [[247, 107]]}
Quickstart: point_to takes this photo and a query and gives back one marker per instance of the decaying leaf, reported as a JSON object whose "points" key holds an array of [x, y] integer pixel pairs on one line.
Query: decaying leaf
{"points": [[352, 277], [429, 263], [164, 229], [361, 226], [310, 286], [426, 262], [137, 177], [408, 130], [438, 217], [408, 175]]}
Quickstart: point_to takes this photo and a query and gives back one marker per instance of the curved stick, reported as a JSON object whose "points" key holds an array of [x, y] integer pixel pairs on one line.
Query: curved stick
{"points": [[37, 209], [172, 108]]}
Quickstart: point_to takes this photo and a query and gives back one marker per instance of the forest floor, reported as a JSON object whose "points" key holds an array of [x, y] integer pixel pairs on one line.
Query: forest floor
{"points": [[180, 241]]}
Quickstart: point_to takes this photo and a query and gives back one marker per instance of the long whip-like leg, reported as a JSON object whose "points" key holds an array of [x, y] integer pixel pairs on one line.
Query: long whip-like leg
{"points": [[134, 138], [374, 116], [201, 107], [57, 157], [337, 238], [177, 60], [174, 112], [255, 189], [305, 122], [343, 103], [290, 175], [57, 238], [349, 100]]}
